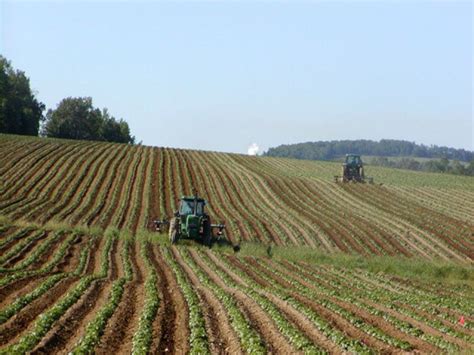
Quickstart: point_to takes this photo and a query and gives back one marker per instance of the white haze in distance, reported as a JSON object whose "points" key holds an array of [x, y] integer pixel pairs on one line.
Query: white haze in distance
{"points": [[253, 149]]}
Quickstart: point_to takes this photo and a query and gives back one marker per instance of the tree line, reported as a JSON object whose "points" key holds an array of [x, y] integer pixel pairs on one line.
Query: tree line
{"points": [[442, 165], [73, 118], [442, 159]]}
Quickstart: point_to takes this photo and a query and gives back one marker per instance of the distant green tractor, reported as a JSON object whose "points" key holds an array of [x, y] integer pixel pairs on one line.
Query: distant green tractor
{"points": [[353, 170], [191, 222]]}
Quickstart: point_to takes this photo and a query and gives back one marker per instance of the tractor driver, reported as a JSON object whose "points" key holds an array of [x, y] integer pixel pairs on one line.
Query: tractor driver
{"points": [[187, 207]]}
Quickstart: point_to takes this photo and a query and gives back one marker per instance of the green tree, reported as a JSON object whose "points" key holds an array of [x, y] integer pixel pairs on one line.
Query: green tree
{"points": [[457, 168], [77, 118], [115, 131], [470, 168], [20, 111]]}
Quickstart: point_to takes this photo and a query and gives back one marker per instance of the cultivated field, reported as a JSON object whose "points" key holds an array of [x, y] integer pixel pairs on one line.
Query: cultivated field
{"points": [[81, 272]]}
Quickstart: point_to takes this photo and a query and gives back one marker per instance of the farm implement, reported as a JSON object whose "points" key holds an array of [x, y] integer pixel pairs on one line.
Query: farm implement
{"points": [[191, 222], [353, 171]]}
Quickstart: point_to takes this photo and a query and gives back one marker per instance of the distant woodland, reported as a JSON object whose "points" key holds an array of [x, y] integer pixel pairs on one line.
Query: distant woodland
{"points": [[387, 152]]}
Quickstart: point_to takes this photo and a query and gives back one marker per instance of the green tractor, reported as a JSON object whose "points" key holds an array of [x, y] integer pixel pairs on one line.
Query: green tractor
{"points": [[191, 222], [353, 170]]}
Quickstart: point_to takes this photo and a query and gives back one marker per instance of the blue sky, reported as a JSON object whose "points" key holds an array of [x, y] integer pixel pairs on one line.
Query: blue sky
{"points": [[222, 75]]}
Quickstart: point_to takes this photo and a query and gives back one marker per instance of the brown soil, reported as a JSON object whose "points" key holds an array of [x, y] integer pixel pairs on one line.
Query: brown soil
{"points": [[71, 326], [103, 213], [171, 324], [332, 318], [103, 184], [165, 184], [275, 341], [70, 260], [25, 252], [424, 327], [118, 335], [118, 189], [44, 258], [15, 288], [375, 321], [18, 288], [71, 193], [58, 180], [251, 273], [222, 337], [292, 315], [22, 322], [453, 324], [7, 246], [154, 197], [129, 197]]}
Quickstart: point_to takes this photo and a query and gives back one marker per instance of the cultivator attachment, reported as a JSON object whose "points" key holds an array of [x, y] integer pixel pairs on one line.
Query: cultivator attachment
{"points": [[161, 225], [220, 229], [365, 180]]}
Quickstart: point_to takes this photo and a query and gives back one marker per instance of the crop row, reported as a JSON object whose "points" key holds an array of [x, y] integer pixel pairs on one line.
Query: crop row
{"points": [[274, 201]]}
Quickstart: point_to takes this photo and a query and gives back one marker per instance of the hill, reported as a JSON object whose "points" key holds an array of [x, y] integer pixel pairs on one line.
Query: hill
{"points": [[323, 268], [270, 200]]}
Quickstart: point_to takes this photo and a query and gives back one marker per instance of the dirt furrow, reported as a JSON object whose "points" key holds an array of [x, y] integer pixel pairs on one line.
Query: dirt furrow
{"points": [[116, 327], [45, 257], [25, 252], [331, 317], [275, 341], [24, 320], [71, 326], [290, 313], [21, 234], [118, 335], [154, 197], [94, 199], [19, 323], [424, 327], [171, 332], [222, 336], [131, 191], [17, 288], [375, 321]]}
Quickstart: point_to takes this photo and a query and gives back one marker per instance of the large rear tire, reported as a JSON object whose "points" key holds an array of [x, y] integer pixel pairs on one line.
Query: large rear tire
{"points": [[207, 234], [173, 232]]}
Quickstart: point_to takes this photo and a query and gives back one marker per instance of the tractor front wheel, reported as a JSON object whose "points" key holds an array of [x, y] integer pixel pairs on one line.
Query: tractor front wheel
{"points": [[173, 232]]}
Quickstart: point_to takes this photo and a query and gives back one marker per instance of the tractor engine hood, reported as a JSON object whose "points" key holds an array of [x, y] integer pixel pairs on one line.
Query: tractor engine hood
{"points": [[193, 221]]}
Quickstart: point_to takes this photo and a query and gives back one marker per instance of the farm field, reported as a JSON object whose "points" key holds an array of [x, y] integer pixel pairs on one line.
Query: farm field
{"points": [[81, 271]]}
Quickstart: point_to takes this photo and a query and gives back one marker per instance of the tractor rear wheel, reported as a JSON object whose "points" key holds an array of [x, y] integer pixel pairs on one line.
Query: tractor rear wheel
{"points": [[173, 232], [207, 233]]}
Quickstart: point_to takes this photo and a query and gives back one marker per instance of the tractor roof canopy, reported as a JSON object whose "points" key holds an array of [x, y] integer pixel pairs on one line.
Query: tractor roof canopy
{"points": [[192, 198], [353, 159]]}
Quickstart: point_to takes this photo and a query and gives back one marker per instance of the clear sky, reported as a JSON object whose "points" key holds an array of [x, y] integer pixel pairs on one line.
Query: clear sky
{"points": [[221, 75]]}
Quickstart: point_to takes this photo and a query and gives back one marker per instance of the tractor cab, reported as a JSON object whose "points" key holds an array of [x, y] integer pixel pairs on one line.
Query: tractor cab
{"points": [[353, 160], [191, 205]]}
